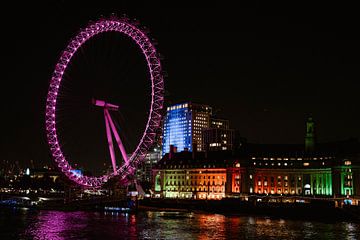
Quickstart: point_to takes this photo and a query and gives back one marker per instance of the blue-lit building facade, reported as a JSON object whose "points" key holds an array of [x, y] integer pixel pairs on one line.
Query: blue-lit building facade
{"points": [[183, 126]]}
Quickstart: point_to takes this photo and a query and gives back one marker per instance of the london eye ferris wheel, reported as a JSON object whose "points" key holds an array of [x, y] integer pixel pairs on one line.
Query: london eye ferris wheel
{"points": [[127, 164]]}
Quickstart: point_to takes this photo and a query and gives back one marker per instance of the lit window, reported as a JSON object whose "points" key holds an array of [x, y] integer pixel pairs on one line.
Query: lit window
{"points": [[306, 164], [347, 163]]}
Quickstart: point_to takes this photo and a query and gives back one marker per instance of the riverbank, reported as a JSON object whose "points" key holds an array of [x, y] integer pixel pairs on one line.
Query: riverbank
{"points": [[60, 204], [322, 211], [311, 210]]}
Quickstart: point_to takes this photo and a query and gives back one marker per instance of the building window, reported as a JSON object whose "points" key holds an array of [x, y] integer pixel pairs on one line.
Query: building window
{"points": [[272, 181], [347, 163]]}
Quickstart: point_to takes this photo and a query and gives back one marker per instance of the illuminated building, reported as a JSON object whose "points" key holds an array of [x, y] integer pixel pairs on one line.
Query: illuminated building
{"points": [[286, 169], [183, 125], [258, 169], [43, 173], [218, 136], [192, 175], [324, 170], [144, 171], [219, 123], [320, 169]]}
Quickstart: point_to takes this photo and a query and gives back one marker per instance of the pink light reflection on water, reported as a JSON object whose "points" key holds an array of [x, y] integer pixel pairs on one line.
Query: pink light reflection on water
{"points": [[55, 225]]}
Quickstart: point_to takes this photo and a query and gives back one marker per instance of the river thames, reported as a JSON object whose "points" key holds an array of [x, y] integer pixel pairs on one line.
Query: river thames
{"points": [[57, 225]]}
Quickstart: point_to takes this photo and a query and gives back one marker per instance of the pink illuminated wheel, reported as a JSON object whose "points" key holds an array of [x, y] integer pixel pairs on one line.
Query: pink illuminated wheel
{"points": [[129, 29]]}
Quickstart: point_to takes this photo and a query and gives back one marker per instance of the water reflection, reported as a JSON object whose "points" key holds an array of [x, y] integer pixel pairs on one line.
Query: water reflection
{"points": [[57, 225], [351, 230], [153, 225], [211, 226]]}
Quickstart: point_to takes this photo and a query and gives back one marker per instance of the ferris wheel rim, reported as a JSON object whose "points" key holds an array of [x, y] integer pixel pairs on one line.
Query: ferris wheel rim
{"points": [[122, 25]]}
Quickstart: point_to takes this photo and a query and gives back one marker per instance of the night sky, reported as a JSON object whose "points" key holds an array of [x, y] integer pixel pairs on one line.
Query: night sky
{"points": [[264, 67]]}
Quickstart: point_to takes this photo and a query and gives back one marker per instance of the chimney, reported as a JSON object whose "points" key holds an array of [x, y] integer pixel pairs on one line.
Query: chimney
{"points": [[172, 151], [194, 150]]}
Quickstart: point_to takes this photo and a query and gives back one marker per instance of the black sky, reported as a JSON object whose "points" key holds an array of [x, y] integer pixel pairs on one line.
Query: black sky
{"points": [[264, 67]]}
